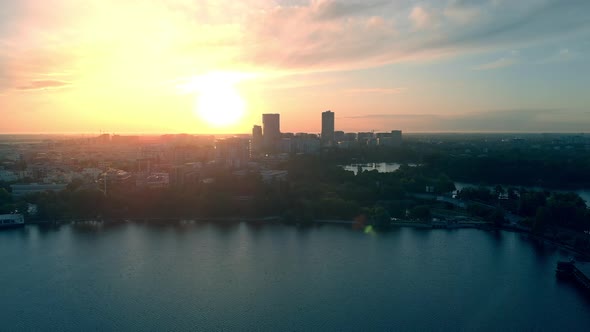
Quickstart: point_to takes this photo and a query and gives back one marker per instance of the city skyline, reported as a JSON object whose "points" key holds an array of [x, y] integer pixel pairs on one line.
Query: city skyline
{"points": [[213, 67]]}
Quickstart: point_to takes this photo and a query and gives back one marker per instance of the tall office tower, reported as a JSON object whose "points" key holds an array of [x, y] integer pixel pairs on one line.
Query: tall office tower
{"points": [[271, 131], [328, 128], [256, 142]]}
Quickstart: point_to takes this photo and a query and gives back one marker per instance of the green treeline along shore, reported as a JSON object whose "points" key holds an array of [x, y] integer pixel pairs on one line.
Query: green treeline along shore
{"points": [[318, 188]]}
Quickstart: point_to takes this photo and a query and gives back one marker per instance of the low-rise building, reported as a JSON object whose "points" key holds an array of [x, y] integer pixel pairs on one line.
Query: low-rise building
{"points": [[31, 188]]}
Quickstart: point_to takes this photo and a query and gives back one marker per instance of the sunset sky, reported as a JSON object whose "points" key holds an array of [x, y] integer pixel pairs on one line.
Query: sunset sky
{"points": [[167, 66]]}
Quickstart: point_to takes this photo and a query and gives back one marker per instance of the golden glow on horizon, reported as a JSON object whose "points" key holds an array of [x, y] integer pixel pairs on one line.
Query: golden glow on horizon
{"points": [[218, 103]]}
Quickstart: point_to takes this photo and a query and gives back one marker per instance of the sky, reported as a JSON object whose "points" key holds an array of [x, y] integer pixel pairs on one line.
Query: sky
{"points": [[171, 66]]}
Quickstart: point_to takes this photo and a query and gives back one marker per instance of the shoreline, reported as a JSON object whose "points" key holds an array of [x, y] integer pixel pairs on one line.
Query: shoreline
{"points": [[486, 226], [274, 219]]}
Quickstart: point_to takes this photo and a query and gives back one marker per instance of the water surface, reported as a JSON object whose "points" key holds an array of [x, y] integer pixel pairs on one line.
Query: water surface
{"points": [[280, 278]]}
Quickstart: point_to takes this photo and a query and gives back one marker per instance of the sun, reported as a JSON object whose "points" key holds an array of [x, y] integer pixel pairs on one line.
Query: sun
{"points": [[218, 103]]}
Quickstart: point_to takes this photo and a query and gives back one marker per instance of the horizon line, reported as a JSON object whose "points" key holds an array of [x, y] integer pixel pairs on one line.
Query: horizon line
{"points": [[294, 132]]}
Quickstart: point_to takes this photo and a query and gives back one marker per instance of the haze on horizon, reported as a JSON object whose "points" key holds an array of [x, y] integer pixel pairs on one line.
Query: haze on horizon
{"points": [[177, 65]]}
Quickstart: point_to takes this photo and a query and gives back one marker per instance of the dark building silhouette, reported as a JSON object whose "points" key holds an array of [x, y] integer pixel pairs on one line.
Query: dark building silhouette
{"points": [[271, 131], [390, 139], [256, 143], [328, 128]]}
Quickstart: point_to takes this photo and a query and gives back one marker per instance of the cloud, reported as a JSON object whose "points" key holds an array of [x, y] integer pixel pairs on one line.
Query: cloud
{"points": [[382, 91], [332, 9], [563, 55], [465, 11], [43, 84], [500, 63], [468, 3], [522, 23], [134, 43], [349, 42], [387, 116], [511, 120], [420, 17]]}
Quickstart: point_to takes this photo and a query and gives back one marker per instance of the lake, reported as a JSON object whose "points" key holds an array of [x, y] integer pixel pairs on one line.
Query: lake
{"points": [[209, 277]]}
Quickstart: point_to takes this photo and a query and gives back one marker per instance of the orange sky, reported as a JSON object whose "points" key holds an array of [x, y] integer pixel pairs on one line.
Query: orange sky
{"points": [[128, 66]]}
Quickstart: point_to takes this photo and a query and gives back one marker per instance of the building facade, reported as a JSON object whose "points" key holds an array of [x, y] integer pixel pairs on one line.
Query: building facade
{"points": [[256, 142], [328, 128], [271, 131]]}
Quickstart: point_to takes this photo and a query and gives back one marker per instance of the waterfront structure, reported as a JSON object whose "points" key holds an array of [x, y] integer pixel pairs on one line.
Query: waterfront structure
{"points": [[328, 128], [271, 131], [577, 272], [11, 220]]}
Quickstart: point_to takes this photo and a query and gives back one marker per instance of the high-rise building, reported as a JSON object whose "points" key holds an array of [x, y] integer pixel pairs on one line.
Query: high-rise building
{"points": [[328, 128], [271, 131], [256, 142]]}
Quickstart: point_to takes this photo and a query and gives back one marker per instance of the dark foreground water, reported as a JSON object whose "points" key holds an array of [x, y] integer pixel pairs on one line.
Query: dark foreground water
{"points": [[280, 278]]}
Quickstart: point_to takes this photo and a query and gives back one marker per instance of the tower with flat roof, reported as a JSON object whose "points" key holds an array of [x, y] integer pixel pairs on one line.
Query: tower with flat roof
{"points": [[328, 128], [271, 131]]}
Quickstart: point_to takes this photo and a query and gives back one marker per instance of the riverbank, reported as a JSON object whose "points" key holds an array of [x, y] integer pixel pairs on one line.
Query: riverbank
{"points": [[546, 240], [277, 219], [154, 220], [273, 219]]}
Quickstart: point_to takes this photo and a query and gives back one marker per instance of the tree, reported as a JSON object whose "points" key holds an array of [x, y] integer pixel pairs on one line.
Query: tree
{"points": [[5, 196], [541, 220], [420, 212], [497, 217], [75, 184], [530, 201], [567, 210], [379, 216], [498, 190]]}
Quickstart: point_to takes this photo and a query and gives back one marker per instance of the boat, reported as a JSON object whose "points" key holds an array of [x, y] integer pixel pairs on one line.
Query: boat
{"points": [[11, 220]]}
